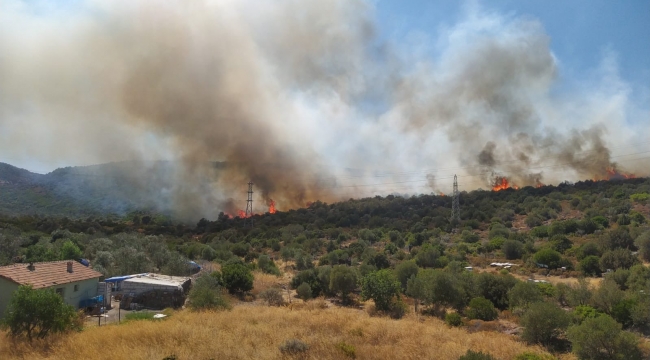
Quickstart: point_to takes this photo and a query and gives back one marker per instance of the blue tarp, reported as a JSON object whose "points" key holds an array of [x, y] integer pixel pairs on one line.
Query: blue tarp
{"points": [[84, 262], [91, 302], [194, 265], [116, 279]]}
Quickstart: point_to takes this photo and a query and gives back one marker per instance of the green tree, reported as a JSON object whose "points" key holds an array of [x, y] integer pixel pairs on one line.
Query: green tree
{"points": [[343, 280], [382, 287], [482, 309], [523, 294], [70, 251], [237, 277], [405, 270], [590, 266], [601, 338], [38, 313], [495, 288], [548, 257], [643, 243], [618, 259], [304, 291], [512, 249], [544, 322]]}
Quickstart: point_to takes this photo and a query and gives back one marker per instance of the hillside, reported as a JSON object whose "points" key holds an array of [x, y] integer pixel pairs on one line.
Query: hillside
{"points": [[106, 189], [580, 249]]}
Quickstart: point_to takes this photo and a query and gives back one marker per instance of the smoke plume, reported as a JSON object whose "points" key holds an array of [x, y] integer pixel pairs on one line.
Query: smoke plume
{"points": [[302, 98]]}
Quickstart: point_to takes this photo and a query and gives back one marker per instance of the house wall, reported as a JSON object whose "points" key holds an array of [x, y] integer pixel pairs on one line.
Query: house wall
{"points": [[128, 287], [7, 289], [86, 289]]}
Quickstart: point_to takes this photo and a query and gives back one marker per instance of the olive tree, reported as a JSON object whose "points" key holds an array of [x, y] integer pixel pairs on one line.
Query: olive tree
{"points": [[38, 313]]}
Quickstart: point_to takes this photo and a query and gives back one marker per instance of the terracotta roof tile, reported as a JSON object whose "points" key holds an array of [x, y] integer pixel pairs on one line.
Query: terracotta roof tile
{"points": [[47, 274]]}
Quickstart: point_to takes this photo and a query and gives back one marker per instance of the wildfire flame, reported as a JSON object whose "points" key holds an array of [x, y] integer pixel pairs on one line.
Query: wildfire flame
{"points": [[272, 209], [612, 174], [502, 183], [241, 214]]}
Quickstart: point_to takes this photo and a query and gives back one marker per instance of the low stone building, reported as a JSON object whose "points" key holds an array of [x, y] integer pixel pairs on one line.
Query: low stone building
{"points": [[73, 281], [153, 291]]}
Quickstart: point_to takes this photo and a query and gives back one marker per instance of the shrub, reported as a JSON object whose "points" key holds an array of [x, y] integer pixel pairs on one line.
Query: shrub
{"points": [[543, 323], [640, 197], [548, 257], [494, 288], [139, 315], [267, 265], [469, 237], [206, 293], [237, 277], [382, 287], [482, 309], [590, 266], [343, 280], [304, 291], [602, 338], [348, 350], [643, 243], [474, 355], [601, 221], [38, 313], [453, 319], [523, 294], [618, 259], [512, 249], [582, 312], [272, 296], [404, 271], [293, 347]]}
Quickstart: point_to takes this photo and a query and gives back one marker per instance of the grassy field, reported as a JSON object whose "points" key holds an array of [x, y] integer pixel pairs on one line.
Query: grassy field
{"points": [[256, 332]]}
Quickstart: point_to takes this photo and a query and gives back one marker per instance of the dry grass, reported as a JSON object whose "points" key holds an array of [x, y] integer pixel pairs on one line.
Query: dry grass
{"points": [[256, 333]]}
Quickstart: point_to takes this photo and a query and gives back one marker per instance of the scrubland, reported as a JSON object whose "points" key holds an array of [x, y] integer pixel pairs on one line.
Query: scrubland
{"points": [[256, 332]]}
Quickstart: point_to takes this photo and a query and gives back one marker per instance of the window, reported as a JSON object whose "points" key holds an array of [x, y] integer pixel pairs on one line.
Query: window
{"points": [[60, 291], [76, 288]]}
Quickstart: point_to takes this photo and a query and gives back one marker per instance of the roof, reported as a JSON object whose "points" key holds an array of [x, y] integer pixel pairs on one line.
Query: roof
{"points": [[47, 274], [116, 279]]}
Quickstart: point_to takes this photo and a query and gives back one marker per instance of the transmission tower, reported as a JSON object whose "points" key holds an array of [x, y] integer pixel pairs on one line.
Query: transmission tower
{"points": [[249, 206], [455, 205]]}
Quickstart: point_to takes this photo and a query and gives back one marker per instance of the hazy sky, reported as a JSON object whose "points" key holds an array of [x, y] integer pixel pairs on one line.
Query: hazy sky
{"points": [[581, 31], [584, 35]]}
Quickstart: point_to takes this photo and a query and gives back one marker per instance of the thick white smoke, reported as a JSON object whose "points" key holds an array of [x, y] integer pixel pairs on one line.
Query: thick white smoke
{"points": [[301, 97]]}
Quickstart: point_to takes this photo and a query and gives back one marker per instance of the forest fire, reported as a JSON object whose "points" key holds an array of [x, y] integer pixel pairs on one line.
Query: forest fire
{"points": [[241, 214], [502, 183], [613, 174], [272, 209]]}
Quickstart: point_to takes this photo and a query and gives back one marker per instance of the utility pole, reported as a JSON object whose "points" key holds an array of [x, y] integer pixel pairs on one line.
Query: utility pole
{"points": [[249, 206], [455, 204]]}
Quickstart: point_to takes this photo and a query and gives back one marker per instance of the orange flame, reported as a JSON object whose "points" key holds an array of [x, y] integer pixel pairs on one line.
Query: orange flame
{"points": [[502, 183], [241, 214], [612, 174], [272, 209]]}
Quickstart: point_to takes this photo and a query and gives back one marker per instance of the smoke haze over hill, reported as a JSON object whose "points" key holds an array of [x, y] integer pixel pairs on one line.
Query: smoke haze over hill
{"points": [[304, 99]]}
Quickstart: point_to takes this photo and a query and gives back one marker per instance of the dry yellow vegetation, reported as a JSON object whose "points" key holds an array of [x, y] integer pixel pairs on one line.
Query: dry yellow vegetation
{"points": [[255, 332]]}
